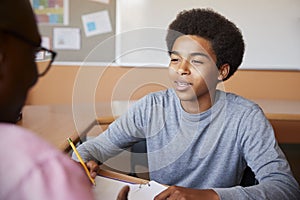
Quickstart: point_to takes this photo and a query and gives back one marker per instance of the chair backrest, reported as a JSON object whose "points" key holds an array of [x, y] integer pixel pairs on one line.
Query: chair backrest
{"points": [[141, 159], [248, 178]]}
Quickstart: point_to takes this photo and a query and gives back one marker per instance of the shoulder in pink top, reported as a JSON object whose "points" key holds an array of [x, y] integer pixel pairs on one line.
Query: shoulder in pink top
{"points": [[32, 169]]}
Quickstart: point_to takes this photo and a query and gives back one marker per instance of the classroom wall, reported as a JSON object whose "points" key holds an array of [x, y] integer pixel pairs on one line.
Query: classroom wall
{"points": [[58, 85]]}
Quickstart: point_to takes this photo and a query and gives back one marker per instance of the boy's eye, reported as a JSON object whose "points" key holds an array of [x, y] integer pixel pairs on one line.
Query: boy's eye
{"points": [[174, 59], [197, 61]]}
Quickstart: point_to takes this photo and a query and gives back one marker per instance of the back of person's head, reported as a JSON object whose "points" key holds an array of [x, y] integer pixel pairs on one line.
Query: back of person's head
{"points": [[19, 40], [17, 16], [226, 39]]}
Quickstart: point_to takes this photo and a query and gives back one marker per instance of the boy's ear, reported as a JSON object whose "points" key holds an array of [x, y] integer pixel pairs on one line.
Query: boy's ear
{"points": [[223, 71]]}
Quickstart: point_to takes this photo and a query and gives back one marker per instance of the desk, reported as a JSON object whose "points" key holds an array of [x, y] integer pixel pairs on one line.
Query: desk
{"points": [[284, 116], [55, 123], [123, 177], [280, 109]]}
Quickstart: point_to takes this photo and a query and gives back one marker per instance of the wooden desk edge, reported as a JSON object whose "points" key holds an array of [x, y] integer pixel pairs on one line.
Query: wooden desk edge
{"points": [[66, 146], [284, 117], [106, 120], [122, 177]]}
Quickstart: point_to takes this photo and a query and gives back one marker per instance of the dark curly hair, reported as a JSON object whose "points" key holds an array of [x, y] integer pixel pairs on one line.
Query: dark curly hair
{"points": [[226, 39]]}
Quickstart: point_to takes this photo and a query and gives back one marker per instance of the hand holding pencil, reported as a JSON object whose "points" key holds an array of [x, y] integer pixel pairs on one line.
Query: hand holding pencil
{"points": [[81, 161]]}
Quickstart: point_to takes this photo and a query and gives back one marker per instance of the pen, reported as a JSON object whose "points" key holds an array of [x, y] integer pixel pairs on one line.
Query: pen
{"points": [[81, 161]]}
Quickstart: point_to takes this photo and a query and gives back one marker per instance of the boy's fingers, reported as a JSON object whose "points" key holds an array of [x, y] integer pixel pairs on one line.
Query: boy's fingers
{"points": [[123, 194], [93, 174], [93, 167]]}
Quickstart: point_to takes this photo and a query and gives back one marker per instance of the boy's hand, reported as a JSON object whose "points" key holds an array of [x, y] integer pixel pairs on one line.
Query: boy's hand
{"points": [[93, 167], [123, 194], [176, 192]]}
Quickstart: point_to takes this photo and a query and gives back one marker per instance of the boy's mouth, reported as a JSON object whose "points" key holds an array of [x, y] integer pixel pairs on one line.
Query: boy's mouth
{"points": [[182, 85]]}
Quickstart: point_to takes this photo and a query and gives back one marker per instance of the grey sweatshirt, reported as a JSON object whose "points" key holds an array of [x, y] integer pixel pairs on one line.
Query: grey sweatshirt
{"points": [[206, 150]]}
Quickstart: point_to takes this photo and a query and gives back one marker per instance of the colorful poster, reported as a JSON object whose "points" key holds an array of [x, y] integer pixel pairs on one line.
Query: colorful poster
{"points": [[52, 12]]}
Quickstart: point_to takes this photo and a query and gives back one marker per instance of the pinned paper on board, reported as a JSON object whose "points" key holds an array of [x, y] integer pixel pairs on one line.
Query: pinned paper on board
{"points": [[66, 38], [46, 42], [41, 54], [101, 1], [96, 23]]}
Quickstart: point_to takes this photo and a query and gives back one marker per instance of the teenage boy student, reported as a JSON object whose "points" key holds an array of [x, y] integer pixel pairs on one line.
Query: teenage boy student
{"points": [[199, 138], [30, 168]]}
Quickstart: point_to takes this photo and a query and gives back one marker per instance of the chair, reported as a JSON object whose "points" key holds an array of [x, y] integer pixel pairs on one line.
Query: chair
{"points": [[248, 178], [139, 160]]}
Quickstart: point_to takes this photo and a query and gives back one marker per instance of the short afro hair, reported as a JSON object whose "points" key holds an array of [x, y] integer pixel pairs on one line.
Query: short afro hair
{"points": [[225, 38]]}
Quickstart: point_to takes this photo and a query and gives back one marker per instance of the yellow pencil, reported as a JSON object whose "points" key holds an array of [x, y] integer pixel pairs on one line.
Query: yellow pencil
{"points": [[81, 161]]}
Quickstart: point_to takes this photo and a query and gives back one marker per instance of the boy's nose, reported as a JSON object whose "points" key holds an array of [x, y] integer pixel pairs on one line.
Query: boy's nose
{"points": [[184, 68]]}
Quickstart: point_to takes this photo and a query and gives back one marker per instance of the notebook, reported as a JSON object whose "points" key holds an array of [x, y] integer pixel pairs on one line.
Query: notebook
{"points": [[108, 189]]}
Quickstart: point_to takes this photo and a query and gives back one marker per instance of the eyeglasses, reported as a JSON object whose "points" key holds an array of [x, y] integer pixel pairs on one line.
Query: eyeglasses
{"points": [[43, 57]]}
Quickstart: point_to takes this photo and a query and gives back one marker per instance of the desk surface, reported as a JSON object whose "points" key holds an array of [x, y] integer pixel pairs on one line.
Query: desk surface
{"points": [[280, 109], [55, 123]]}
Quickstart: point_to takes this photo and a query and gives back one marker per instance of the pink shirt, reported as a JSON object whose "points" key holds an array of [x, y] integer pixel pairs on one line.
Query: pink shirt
{"points": [[32, 169]]}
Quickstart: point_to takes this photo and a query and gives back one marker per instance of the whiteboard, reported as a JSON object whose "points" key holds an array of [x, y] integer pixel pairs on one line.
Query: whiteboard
{"points": [[271, 30]]}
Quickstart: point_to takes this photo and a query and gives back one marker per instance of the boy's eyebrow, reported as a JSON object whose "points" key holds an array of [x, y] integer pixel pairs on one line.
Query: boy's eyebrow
{"points": [[173, 52], [199, 54], [192, 54]]}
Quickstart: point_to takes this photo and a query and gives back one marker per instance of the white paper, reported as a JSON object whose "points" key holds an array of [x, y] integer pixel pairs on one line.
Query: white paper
{"points": [[107, 188], [66, 38], [96, 23], [46, 42], [145, 191]]}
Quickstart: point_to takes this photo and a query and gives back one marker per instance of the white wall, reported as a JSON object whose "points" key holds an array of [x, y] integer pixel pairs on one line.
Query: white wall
{"points": [[271, 30]]}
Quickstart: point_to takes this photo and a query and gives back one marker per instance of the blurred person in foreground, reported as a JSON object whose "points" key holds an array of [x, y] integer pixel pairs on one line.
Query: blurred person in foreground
{"points": [[30, 168]]}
